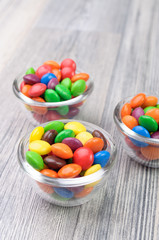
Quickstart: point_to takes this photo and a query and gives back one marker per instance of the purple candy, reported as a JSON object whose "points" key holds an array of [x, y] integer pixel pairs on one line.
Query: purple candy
{"points": [[31, 79], [137, 112], [155, 135], [73, 143], [73, 112], [52, 83]]}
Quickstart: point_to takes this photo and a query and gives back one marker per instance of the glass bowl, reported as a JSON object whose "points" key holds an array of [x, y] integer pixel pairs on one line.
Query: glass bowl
{"points": [[72, 191], [38, 112], [146, 150]]}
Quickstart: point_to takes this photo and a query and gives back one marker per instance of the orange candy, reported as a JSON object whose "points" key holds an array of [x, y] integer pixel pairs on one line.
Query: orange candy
{"points": [[151, 153], [83, 76], [49, 173], [95, 144], [25, 90], [46, 188], [126, 109], [39, 110], [57, 74], [138, 100], [129, 121], [84, 193], [69, 171], [150, 101], [154, 113], [52, 64], [62, 150]]}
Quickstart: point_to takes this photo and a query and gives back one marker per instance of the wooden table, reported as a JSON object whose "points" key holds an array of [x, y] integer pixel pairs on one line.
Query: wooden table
{"points": [[117, 42]]}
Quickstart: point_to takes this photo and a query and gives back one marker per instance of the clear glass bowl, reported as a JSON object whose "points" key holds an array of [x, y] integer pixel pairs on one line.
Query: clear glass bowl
{"points": [[38, 112], [148, 154], [76, 190]]}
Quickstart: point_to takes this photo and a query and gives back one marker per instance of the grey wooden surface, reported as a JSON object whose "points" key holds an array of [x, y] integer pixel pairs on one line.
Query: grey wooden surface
{"points": [[116, 41]]}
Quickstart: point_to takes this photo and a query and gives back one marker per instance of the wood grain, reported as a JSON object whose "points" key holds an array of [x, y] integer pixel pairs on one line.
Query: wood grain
{"points": [[117, 43]]}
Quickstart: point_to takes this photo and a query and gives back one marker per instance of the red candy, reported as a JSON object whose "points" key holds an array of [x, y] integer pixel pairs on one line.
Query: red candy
{"points": [[68, 63], [67, 72], [42, 70], [84, 157], [37, 90]]}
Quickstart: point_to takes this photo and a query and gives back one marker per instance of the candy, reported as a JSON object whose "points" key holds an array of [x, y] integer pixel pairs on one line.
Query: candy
{"points": [[150, 153], [52, 83], [150, 101], [98, 134], [78, 88], [137, 112], [73, 143], [54, 162], [84, 193], [68, 63], [22, 85], [73, 111], [154, 113], [95, 144], [77, 127], [64, 192], [49, 173], [83, 76], [63, 92], [56, 125], [84, 157], [130, 121], [51, 95], [31, 79], [149, 123], [67, 83], [143, 132], [101, 157], [84, 137], [25, 90], [47, 77], [138, 100], [52, 64], [67, 72], [42, 70], [69, 171], [49, 136], [155, 135], [39, 146], [35, 160], [39, 110], [64, 134], [62, 150], [46, 188], [148, 108], [52, 115], [57, 73], [30, 71], [92, 169], [63, 110], [36, 134], [126, 110], [37, 90]]}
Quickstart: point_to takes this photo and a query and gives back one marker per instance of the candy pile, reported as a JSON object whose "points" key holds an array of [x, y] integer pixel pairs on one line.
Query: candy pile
{"points": [[52, 82], [141, 115], [68, 150]]}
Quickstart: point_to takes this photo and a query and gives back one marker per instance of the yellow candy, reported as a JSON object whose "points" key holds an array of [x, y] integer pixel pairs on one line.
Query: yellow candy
{"points": [[40, 146], [36, 134], [75, 126], [84, 137], [91, 170], [28, 107]]}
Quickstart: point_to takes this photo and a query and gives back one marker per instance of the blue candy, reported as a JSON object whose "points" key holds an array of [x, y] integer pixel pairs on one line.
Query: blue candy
{"points": [[47, 77], [63, 192], [143, 132], [101, 158]]}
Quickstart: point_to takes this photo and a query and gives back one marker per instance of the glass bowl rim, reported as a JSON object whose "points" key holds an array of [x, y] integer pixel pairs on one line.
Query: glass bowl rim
{"points": [[29, 101], [67, 182], [127, 131]]}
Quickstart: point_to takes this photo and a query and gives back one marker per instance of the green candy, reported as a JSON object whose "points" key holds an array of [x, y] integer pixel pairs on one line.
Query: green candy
{"points": [[63, 92], [56, 125], [57, 197], [66, 83], [35, 160], [30, 71], [51, 95], [69, 161], [157, 106], [63, 110], [64, 134], [78, 87], [147, 109], [149, 123]]}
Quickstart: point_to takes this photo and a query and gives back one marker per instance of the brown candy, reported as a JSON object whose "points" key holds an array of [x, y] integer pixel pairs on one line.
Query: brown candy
{"points": [[54, 162], [49, 136], [98, 134]]}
